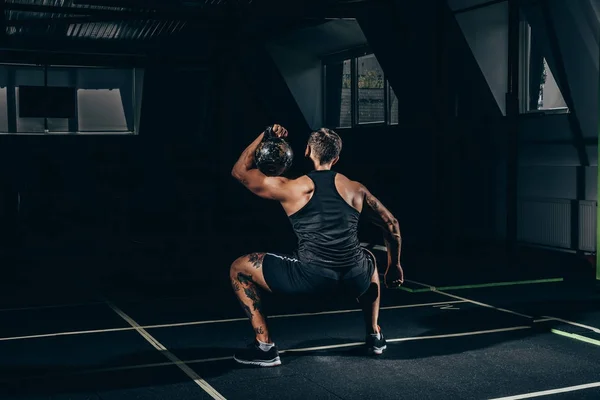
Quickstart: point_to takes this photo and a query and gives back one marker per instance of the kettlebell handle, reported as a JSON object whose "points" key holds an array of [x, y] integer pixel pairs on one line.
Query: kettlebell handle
{"points": [[268, 132]]}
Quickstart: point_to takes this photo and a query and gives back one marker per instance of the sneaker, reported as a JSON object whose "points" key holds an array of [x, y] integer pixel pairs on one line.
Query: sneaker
{"points": [[376, 346], [253, 355]]}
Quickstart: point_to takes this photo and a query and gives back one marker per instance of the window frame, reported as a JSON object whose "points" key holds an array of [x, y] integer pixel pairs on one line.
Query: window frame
{"points": [[353, 55], [524, 73], [72, 122]]}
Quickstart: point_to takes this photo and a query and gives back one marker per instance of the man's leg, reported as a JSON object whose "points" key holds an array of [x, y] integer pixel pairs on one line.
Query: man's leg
{"points": [[247, 280], [369, 302]]}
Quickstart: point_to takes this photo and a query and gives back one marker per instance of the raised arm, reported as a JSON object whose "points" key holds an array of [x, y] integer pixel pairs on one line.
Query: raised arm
{"points": [[382, 217], [267, 187]]}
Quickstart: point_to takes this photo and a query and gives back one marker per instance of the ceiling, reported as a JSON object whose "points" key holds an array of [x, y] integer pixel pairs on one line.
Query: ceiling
{"points": [[192, 28], [324, 39]]}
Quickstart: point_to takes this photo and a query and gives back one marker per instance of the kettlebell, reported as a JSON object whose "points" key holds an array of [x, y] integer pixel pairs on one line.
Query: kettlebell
{"points": [[274, 155]]}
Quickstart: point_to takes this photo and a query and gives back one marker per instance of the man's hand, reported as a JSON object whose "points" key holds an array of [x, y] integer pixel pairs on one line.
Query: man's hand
{"points": [[394, 276], [268, 187], [279, 131]]}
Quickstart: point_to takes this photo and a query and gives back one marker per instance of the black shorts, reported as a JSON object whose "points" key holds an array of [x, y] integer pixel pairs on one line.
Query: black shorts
{"points": [[286, 275]]}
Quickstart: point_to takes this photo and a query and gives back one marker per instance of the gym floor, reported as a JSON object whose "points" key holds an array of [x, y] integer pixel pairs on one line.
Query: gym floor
{"points": [[510, 342]]}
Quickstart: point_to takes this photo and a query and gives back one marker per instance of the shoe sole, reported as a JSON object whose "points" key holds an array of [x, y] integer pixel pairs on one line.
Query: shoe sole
{"points": [[377, 350], [271, 363]]}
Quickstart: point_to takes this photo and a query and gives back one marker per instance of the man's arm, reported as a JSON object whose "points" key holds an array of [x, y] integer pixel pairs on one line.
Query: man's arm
{"points": [[268, 187], [382, 217]]}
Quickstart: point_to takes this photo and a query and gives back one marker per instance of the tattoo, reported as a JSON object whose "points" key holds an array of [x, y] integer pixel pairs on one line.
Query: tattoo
{"points": [[236, 286], [372, 201], [259, 330], [247, 310], [256, 259], [243, 278], [252, 294]]}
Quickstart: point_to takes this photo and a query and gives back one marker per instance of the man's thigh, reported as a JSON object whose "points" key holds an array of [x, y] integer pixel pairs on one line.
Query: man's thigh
{"points": [[357, 280], [285, 274]]}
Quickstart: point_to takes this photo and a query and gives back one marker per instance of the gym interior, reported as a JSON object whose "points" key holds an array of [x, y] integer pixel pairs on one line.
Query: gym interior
{"points": [[475, 122]]}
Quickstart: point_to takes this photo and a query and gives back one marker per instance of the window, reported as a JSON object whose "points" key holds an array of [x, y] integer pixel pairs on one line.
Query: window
{"points": [[539, 89], [357, 93], [338, 94], [549, 96], [33, 76], [3, 111], [101, 110], [371, 90], [106, 99], [393, 106]]}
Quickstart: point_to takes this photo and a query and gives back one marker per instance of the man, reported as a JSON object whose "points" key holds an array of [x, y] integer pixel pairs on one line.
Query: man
{"points": [[324, 208]]}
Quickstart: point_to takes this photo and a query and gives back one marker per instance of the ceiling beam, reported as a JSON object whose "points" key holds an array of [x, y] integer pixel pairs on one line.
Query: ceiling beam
{"points": [[125, 47], [33, 22], [299, 9], [170, 13]]}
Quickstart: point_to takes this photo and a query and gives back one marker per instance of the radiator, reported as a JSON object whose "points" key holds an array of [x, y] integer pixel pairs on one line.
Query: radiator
{"points": [[587, 225], [545, 222]]}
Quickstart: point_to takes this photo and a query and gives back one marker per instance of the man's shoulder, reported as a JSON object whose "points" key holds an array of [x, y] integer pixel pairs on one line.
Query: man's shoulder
{"points": [[302, 182], [350, 183]]}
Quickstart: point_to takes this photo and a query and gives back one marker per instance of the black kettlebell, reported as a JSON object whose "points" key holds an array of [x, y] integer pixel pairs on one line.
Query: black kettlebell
{"points": [[274, 155]]}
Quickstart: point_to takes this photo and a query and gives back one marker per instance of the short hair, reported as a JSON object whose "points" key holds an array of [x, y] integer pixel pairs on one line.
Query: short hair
{"points": [[325, 144]]}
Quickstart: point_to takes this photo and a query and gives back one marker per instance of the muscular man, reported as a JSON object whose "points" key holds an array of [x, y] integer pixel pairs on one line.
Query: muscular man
{"points": [[324, 208]]}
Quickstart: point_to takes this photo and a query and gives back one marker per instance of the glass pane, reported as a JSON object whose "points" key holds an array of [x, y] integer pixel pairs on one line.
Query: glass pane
{"points": [[338, 94], [105, 100], [549, 95], [3, 111], [58, 125], [59, 77], [393, 107], [28, 76], [371, 90], [541, 91], [101, 110]]}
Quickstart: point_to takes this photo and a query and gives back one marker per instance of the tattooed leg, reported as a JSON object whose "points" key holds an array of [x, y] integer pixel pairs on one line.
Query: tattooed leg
{"points": [[247, 279]]}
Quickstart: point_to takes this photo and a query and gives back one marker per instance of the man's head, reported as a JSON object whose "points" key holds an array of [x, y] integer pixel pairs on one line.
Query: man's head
{"points": [[324, 147]]}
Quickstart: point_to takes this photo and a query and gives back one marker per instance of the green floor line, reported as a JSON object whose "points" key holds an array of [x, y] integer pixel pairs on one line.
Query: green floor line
{"points": [[409, 290], [482, 285], [576, 337]]}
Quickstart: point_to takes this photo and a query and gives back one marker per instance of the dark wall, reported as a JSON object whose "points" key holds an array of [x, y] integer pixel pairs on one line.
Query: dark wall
{"points": [[456, 129], [163, 206], [92, 208]]}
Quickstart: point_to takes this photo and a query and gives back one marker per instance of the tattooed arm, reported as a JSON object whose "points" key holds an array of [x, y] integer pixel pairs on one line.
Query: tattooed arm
{"points": [[267, 187], [382, 217]]}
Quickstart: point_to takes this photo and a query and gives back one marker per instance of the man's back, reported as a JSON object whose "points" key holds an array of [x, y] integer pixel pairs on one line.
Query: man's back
{"points": [[325, 219]]}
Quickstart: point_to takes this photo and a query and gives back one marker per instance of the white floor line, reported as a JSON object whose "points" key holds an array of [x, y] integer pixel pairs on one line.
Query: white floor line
{"points": [[192, 323], [298, 350], [544, 318], [47, 335], [297, 315], [175, 361], [433, 289], [549, 392], [409, 339], [452, 335], [591, 328]]}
